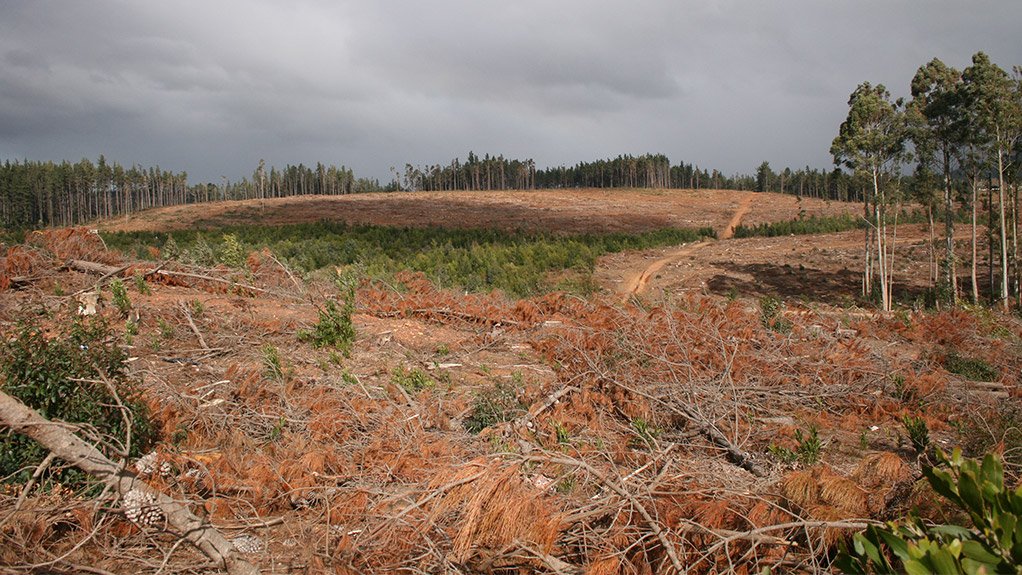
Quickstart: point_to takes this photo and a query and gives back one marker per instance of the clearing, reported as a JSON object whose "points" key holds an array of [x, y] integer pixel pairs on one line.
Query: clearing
{"points": [[726, 417]]}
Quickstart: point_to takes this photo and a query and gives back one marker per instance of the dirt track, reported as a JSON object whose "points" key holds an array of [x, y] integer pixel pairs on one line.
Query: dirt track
{"points": [[637, 283]]}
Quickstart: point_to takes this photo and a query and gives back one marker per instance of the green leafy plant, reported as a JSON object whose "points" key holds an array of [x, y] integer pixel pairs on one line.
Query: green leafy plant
{"points": [[232, 253], [119, 295], [992, 545], [918, 432], [770, 315], [64, 376], [807, 448], [411, 380], [334, 328], [273, 365], [140, 284], [971, 368], [646, 433], [562, 433], [166, 330], [494, 405]]}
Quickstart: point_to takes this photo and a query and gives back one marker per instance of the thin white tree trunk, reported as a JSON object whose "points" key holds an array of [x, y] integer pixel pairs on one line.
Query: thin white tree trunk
{"points": [[1004, 230]]}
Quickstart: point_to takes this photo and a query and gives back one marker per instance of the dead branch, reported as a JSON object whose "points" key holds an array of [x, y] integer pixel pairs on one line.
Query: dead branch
{"points": [[191, 324], [93, 267], [86, 457]]}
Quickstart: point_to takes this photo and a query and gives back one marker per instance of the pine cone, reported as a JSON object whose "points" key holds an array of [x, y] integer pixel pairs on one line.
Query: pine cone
{"points": [[140, 508]]}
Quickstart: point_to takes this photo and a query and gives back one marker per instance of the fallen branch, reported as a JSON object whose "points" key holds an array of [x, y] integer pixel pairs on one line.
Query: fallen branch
{"points": [[191, 324], [93, 267], [71, 448]]}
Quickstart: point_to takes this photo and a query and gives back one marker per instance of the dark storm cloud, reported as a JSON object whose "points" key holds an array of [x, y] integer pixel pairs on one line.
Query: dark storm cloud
{"points": [[212, 87]]}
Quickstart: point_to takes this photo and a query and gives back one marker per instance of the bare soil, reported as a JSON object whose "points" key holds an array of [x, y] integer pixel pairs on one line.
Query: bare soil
{"points": [[568, 211]]}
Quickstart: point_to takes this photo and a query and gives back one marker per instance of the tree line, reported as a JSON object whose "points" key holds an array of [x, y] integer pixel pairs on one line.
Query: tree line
{"points": [[959, 132], [37, 194]]}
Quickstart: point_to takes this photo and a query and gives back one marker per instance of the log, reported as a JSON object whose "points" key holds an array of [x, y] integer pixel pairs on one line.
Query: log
{"points": [[67, 446]]}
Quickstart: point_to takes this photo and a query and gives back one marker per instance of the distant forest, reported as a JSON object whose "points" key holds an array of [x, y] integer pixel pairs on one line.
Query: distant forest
{"points": [[38, 194]]}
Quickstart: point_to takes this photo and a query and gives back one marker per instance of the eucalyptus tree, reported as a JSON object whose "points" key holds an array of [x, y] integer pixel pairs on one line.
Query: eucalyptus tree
{"points": [[938, 131], [996, 122], [871, 142]]}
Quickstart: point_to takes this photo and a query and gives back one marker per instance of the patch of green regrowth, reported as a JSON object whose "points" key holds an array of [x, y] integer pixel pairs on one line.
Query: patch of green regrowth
{"points": [[518, 263], [411, 380], [807, 448], [971, 368], [493, 405], [71, 376]]}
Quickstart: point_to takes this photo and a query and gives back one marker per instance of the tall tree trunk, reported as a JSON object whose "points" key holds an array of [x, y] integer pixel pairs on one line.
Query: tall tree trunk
{"points": [[1004, 230], [881, 243], [975, 247], [951, 273], [991, 269]]}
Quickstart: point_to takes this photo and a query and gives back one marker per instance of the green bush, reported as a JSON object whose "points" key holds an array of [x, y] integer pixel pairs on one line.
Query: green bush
{"points": [[61, 377], [411, 380], [770, 315], [807, 448], [970, 368], [119, 294], [493, 405], [232, 253], [918, 432], [993, 544], [335, 328]]}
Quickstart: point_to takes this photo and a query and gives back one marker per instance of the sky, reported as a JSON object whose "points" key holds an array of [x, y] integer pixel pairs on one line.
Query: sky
{"points": [[210, 88]]}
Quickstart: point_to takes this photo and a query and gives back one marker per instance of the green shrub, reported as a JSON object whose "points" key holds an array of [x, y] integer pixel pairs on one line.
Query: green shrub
{"points": [[918, 432], [119, 294], [970, 368], [807, 448], [493, 405], [646, 433], [335, 328], [770, 315], [61, 377], [232, 253], [411, 380], [273, 365], [993, 544]]}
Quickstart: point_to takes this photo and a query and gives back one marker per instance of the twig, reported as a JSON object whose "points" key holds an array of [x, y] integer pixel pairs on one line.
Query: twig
{"points": [[29, 485], [191, 324], [287, 271]]}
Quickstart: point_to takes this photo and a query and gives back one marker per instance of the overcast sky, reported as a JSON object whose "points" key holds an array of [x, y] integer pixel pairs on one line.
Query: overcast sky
{"points": [[210, 87]]}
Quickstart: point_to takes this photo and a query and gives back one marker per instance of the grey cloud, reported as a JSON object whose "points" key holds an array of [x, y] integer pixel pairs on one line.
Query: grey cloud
{"points": [[212, 87]]}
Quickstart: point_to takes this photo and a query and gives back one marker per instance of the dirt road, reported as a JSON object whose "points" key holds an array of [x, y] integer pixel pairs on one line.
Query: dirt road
{"points": [[637, 283]]}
